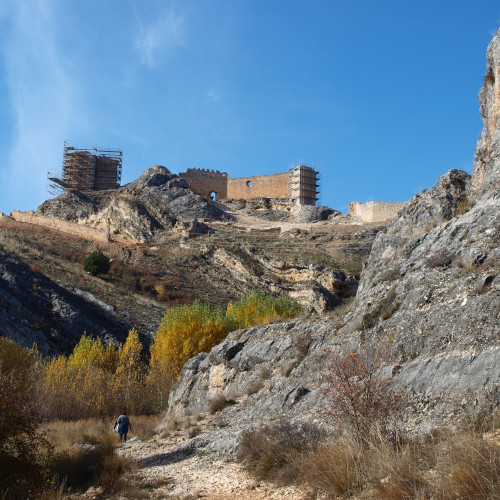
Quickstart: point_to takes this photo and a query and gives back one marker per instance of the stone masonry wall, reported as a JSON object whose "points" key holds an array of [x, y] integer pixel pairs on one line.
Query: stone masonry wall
{"points": [[206, 182], [90, 233], [266, 186], [375, 211]]}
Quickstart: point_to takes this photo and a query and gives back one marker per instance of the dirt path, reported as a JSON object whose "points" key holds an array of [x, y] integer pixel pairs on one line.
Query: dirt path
{"points": [[176, 475], [342, 224]]}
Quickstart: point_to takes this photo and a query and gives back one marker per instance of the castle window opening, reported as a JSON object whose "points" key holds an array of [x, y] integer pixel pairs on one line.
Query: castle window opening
{"points": [[213, 196], [249, 183]]}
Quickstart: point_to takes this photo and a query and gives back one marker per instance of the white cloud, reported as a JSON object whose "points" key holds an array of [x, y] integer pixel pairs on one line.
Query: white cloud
{"points": [[156, 40], [212, 96], [41, 97]]}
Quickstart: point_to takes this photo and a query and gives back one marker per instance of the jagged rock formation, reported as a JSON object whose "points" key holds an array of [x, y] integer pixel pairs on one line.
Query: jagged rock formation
{"points": [[35, 309], [430, 288], [486, 173], [140, 211]]}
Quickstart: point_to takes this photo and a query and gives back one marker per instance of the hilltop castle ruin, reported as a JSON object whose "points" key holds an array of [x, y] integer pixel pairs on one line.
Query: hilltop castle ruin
{"points": [[299, 185]]}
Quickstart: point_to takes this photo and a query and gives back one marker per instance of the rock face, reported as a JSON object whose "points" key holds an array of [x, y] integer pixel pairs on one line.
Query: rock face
{"points": [[140, 211], [486, 175], [36, 309], [430, 290]]}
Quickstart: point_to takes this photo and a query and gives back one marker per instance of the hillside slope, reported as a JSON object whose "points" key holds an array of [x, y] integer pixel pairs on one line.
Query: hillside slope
{"points": [[429, 293], [35, 309], [217, 258]]}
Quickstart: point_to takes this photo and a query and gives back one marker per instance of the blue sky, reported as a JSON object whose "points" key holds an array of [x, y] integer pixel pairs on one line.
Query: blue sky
{"points": [[380, 95]]}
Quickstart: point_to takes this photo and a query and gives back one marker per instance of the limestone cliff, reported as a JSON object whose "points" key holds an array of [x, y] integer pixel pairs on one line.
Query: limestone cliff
{"points": [[485, 178]]}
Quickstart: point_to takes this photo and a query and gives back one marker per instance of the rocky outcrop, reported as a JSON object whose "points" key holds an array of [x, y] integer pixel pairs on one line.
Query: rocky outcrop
{"points": [[429, 292], [486, 175], [309, 213], [143, 210], [35, 309]]}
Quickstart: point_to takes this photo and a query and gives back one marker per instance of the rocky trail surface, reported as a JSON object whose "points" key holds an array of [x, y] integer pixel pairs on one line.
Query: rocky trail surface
{"points": [[170, 470]]}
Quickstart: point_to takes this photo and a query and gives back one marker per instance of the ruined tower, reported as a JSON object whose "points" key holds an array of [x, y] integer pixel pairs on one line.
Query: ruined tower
{"points": [[89, 169]]}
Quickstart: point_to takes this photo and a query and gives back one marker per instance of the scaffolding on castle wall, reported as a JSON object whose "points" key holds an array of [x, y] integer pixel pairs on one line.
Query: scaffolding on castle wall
{"points": [[303, 184], [87, 169], [53, 189]]}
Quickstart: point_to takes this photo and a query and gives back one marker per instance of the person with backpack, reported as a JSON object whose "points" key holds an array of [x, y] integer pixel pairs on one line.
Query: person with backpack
{"points": [[122, 426]]}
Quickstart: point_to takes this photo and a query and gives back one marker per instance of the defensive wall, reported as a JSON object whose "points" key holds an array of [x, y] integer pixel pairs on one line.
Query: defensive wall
{"points": [[287, 185], [375, 211], [206, 182], [260, 186], [89, 233]]}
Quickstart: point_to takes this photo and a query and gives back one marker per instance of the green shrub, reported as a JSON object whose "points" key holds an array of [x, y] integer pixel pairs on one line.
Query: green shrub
{"points": [[96, 263], [259, 308]]}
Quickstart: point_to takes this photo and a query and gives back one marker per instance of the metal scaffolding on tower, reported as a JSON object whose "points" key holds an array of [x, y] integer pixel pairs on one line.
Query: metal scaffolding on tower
{"points": [[87, 169], [304, 184]]}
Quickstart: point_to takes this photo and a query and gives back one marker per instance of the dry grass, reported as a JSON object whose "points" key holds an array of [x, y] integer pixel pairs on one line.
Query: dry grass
{"points": [[173, 424], [217, 403], [84, 455], [341, 310], [65, 434], [444, 465], [254, 386], [113, 468], [469, 468], [144, 425], [443, 258], [275, 450], [336, 468]]}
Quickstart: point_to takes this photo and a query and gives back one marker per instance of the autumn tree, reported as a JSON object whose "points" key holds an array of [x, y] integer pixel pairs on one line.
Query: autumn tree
{"points": [[129, 377]]}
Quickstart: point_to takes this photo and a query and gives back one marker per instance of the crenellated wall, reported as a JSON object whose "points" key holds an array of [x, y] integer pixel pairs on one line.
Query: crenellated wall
{"points": [[206, 182]]}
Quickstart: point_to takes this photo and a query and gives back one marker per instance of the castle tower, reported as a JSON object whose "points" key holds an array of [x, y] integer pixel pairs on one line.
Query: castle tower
{"points": [[304, 185], [88, 169]]}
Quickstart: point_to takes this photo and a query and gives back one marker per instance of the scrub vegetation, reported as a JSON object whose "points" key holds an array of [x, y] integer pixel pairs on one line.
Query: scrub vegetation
{"points": [[97, 381], [368, 452]]}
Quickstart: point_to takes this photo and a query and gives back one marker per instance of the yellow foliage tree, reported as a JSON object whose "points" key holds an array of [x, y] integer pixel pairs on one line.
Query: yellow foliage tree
{"points": [[184, 332], [128, 379], [78, 386]]}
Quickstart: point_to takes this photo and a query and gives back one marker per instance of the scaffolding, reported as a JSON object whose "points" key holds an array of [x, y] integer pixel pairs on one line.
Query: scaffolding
{"points": [[304, 185], [87, 169]]}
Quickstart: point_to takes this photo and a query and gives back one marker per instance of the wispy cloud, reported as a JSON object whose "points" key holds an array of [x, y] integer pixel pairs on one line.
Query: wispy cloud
{"points": [[41, 97], [157, 39], [212, 96]]}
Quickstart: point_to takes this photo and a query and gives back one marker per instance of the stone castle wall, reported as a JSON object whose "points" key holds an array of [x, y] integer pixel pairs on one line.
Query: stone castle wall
{"points": [[261, 186], [207, 182], [375, 211], [89, 233]]}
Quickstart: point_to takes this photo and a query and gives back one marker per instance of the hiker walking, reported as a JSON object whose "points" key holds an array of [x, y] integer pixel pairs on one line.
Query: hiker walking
{"points": [[123, 424]]}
